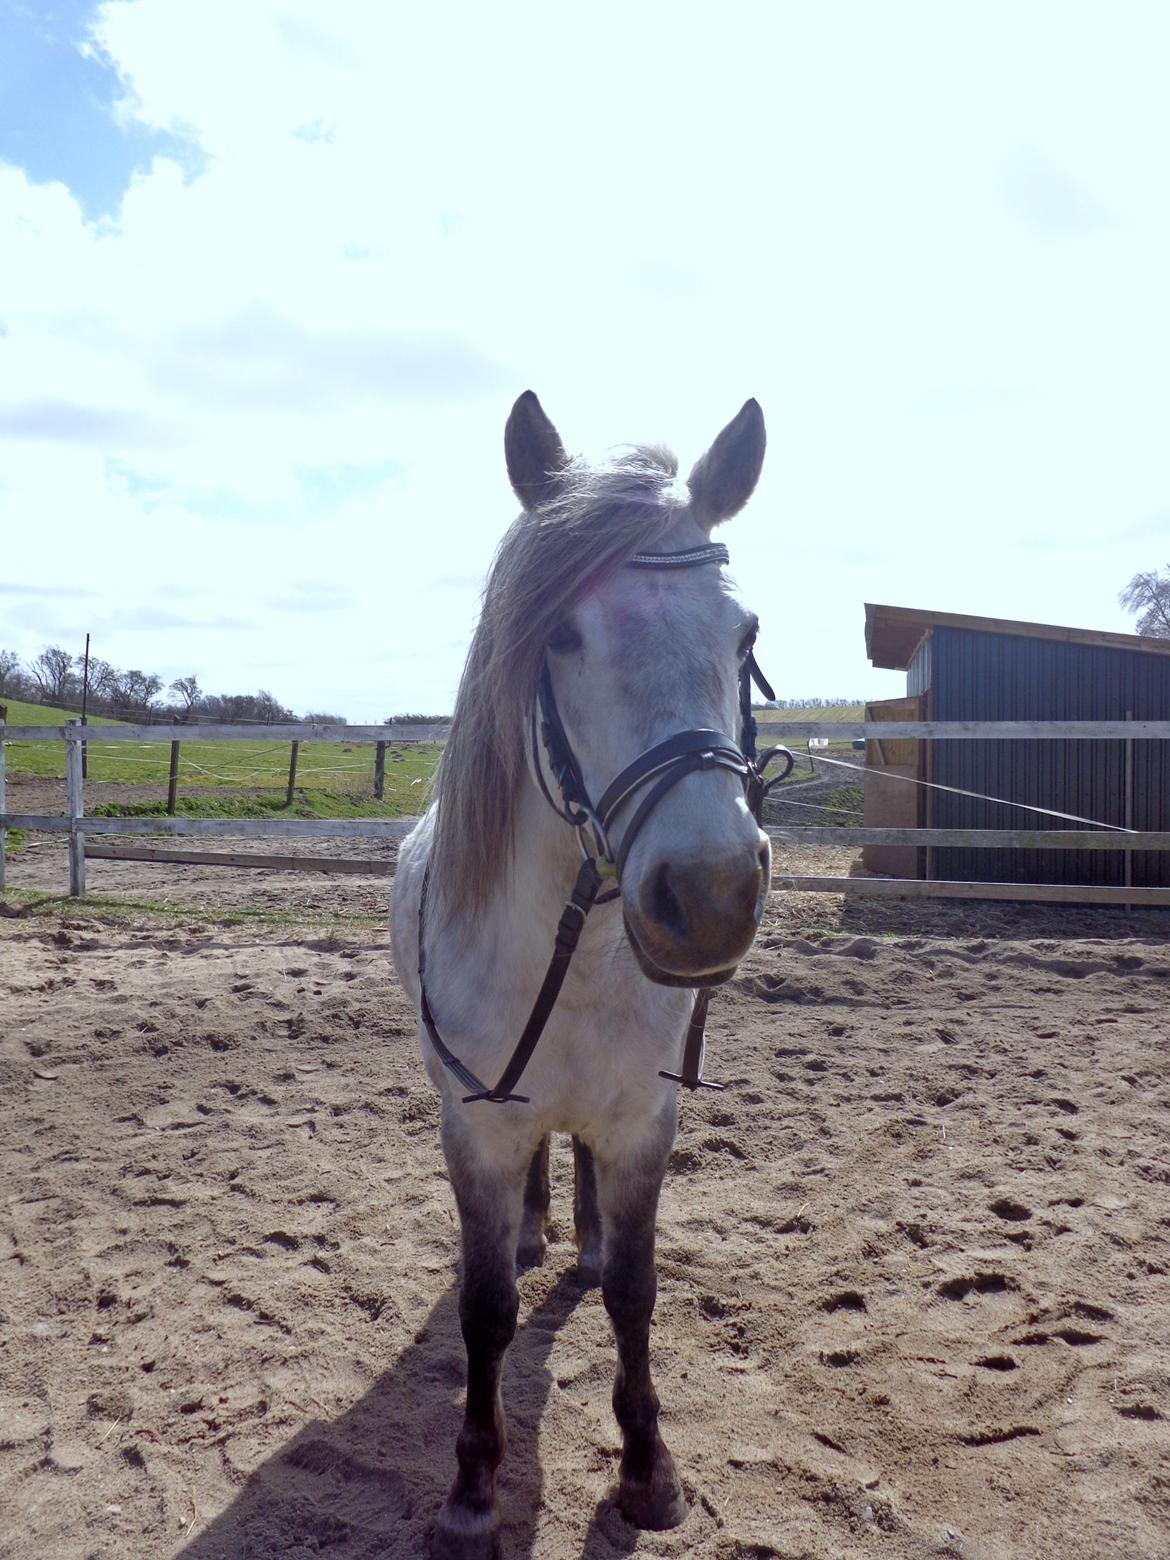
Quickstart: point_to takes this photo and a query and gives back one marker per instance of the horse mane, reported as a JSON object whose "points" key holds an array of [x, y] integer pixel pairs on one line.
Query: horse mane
{"points": [[591, 524]]}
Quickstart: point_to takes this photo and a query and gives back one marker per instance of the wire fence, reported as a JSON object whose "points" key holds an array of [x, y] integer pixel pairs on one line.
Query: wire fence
{"points": [[1101, 835]]}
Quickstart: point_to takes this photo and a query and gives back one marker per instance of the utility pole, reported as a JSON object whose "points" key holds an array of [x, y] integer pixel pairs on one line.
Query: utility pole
{"points": [[84, 703]]}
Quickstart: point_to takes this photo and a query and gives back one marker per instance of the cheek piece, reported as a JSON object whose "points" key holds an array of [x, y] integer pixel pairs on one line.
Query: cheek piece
{"points": [[648, 778]]}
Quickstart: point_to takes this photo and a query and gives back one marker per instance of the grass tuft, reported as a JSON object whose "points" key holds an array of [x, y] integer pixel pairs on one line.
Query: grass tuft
{"points": [[305, 804]]}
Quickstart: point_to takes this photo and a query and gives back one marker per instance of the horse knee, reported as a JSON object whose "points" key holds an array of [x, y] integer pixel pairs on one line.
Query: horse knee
{"points": [[629, 1295], [488, 1309]]}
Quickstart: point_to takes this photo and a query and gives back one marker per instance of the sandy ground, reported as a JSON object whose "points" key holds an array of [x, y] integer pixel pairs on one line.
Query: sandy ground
{"points": [[914, 1264]]}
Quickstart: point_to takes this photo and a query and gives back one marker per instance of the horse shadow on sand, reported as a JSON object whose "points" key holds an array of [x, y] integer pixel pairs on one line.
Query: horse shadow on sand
{"points": [[368, 1485]]}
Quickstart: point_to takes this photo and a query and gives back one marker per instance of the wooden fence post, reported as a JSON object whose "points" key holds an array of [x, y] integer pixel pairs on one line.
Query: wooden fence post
{"points": [[379, 770], [173, 780], [76, 806], [3, 830], [1127, 859], [292, 774]]}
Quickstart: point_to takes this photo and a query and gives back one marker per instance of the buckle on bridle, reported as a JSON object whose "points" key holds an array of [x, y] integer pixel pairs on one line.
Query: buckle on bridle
{"points": [[601, 853], [758, 789]]}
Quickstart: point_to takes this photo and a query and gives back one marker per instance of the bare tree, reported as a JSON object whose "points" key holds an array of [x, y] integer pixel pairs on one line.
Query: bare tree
{"points": [[189, 692], [10, 674], [53, 673], [103, 681], [270, 710], [1148, 596], [135, 691]]}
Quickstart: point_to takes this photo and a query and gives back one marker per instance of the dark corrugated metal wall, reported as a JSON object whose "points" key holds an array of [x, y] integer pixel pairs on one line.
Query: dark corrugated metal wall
{"points": [[981, 676]]}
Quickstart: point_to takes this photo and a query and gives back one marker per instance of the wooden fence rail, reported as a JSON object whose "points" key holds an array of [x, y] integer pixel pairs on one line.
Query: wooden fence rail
{"points": [[398, 828], [238, 828], [944, 888], [777, 731], [429, 731], [990, 839], [77, 826], [233, 858]]}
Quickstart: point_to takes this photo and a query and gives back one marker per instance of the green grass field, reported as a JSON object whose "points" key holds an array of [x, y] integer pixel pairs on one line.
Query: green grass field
{"points": [[836, 714], [22, 714], [334, 779]]}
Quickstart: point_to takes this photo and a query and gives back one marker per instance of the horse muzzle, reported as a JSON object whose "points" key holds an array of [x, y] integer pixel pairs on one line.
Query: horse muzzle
{"points": [[690, 922]]}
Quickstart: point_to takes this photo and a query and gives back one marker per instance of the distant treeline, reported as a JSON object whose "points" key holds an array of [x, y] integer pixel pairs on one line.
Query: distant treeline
{"points": [[813, 704], [55, 677]]}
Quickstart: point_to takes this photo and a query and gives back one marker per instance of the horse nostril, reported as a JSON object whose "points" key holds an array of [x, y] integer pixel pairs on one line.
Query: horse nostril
{"points": [[664, 905]]}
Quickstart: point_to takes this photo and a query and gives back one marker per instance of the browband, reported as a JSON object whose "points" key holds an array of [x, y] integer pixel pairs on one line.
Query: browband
{"points": [[715, 552]]}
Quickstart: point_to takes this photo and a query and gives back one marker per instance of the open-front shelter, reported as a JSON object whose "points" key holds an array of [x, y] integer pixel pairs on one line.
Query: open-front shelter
{"points": [[960, 667]]}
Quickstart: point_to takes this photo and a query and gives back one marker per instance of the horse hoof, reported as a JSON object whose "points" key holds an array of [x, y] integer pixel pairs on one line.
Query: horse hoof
{"points": [[588, 1274], [460, 1535], [654, 1506], [531, 1254]]}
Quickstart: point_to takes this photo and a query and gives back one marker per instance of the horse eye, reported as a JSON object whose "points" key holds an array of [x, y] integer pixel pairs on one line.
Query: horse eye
{"points": [[747, 644], [564, 639]]}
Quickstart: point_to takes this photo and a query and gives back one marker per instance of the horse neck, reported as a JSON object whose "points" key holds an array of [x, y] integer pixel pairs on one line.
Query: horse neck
{"points": [[546, 855]]}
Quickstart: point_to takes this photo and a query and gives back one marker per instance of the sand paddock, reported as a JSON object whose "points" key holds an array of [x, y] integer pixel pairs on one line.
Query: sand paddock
{"points": [[913, 1265]]}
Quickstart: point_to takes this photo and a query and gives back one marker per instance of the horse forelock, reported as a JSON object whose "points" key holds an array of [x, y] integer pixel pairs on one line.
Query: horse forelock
{"points": [[596, 519]]}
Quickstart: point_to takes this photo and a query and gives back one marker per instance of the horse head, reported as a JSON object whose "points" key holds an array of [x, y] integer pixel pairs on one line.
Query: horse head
{"points": [[639, 656]]}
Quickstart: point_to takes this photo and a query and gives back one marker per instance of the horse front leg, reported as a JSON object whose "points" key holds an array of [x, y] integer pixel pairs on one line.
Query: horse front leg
{"points": [[490, 1199], [586, 1215], [649, 1492], [537, 1197]]}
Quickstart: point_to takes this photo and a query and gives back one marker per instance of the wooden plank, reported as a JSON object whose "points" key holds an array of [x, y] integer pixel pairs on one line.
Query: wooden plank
{"points": [[899, 629], [221, 858], [398, 828], [308, 732], [887, 801], [773, 731], [292, 774], [379, 771], [240, 828], [968, 730], [75, 793], [998, 839], [919, 888]]}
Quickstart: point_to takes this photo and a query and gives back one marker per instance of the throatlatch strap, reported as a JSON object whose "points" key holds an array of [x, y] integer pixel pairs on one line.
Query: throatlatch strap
{"points": [[692, 1066], [448, 1058], [569, 928]]}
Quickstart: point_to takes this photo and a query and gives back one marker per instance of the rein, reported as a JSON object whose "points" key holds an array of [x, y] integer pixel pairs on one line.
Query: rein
{"points": [[660, 768]]}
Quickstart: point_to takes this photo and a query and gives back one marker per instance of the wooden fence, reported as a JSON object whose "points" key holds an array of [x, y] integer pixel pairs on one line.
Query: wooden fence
{"points": [[79, 828]]}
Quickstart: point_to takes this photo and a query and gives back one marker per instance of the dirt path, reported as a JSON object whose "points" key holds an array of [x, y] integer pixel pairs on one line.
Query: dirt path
{"points": [[913, 1266]]}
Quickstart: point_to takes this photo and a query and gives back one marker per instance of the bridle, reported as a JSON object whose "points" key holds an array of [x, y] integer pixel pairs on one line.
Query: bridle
{"points": [[643, 782]]}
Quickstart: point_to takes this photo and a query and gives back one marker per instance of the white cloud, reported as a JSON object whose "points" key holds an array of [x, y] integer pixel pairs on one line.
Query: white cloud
{"points": [[932, 243]]}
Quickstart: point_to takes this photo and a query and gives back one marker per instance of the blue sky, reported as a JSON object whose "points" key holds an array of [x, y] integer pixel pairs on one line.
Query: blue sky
{"points": [[59, 97], [272, 274]]}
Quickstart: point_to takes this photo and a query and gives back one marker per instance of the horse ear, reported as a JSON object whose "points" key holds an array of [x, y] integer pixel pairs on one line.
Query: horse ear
{"points": [[533, 450], [725, 477]]}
